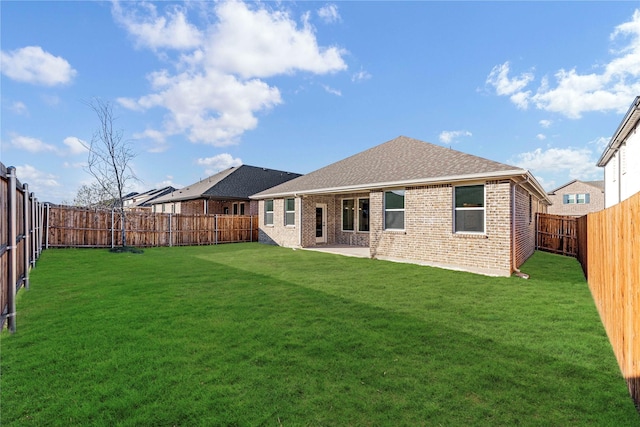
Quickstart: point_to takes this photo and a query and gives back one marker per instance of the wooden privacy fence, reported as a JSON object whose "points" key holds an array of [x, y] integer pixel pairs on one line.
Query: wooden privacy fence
{"points": [[20, 241], [610, 255], [557, 234], [68, 226]]}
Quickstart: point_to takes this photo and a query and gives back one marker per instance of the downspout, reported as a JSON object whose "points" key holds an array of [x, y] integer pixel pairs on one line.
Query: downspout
{"points": [[513, 223], [299, 220]]}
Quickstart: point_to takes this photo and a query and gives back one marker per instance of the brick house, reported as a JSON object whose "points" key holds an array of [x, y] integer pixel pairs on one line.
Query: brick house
{"points": [[411, 201], [226, 192], [620, 158], [577, 198]]}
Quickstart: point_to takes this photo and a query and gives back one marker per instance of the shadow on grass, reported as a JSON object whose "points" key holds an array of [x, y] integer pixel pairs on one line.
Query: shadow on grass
{"points": [[126, 249], [194, 341]]}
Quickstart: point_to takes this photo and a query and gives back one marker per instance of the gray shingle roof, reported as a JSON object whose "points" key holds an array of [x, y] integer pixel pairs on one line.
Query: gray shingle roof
{"points": [[233, 183], [401, 161]]}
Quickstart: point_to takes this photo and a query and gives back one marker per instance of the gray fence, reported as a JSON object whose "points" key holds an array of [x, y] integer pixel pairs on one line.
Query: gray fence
{"points": [[21, 236]]}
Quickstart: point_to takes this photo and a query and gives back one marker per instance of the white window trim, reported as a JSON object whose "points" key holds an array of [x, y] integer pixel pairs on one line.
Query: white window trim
{"points": [[483, 208], [357, 215], [266, 212], [385, 210], [288, 212], [342, 215]]}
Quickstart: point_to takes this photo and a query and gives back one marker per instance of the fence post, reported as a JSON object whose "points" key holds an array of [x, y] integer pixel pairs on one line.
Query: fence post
{"points": [[215, 229], [26, 212], [11, 315], [170, 236], [34, 228], [112, 237], [46, 234]]}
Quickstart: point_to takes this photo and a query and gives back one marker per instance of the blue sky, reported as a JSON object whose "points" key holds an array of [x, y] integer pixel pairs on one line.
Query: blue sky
{"points": [[200, 86]]}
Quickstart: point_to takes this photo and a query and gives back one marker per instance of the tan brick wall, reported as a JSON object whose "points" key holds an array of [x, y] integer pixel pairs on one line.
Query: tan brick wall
{"points": [[525, 222], [279, 233], [595, 204], [428, 236]]}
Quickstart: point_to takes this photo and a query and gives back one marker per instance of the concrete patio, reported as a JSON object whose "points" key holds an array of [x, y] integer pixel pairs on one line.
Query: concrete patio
{"points": [[346, 250]]}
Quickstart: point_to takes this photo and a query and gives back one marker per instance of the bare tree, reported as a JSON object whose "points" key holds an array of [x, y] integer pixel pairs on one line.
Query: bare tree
{"points": [[109, 158], [93, 196]]}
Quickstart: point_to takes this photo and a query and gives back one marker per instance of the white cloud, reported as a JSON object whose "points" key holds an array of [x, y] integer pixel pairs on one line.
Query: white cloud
{"points": [[329, 13], [19, 108], [512, 87], [578, 163], [600, 143], [211, 108], [545, 123], [360, 76], [451, 136], [156, 32], [215, 96], [168, 182], [263, 43], [574, 93], [541, 136], [218, 163], [39, 182], [157, 138], [32, 145], [76, 145], [76, 165], [331, 90], [33, 65]]}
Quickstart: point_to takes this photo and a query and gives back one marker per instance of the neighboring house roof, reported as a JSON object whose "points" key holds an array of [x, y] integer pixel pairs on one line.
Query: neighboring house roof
{"points": [[233, 183], [144, 199], [598, 184], [629, 122], [401, 161]]}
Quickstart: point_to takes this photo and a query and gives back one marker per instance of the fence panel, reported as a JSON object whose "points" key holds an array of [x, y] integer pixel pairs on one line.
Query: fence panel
{"points": [[613, 260], [557, 234], [4, 244], [69, 226], [19, 241]]}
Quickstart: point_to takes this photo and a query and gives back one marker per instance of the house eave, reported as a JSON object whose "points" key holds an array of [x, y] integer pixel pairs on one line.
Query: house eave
{"points": [[410, 183], [629, 122]]}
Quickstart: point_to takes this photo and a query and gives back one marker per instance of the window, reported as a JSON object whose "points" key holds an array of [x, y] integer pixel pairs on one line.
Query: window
{"points": [[347, 215], [394, 210], [571, 199], [363, 215], [268, 212], [530, 209], [235, 209], [241, 208], [289, 211], [469, 209]]}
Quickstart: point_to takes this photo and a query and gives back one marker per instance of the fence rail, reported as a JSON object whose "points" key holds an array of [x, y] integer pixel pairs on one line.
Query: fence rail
{"points": [[20, 241], [68, 226]]}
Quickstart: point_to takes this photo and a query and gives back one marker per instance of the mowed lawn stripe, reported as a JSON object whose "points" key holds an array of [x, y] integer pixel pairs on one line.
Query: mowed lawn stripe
{"points": [[247, 334]]}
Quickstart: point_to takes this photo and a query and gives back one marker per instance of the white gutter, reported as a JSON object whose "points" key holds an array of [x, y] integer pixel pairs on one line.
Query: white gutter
{"points": [[390, 184], [630, 119]]}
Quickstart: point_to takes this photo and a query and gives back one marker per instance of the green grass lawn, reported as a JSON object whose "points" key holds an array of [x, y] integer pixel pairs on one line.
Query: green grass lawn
{"points": [[255, 335]]}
